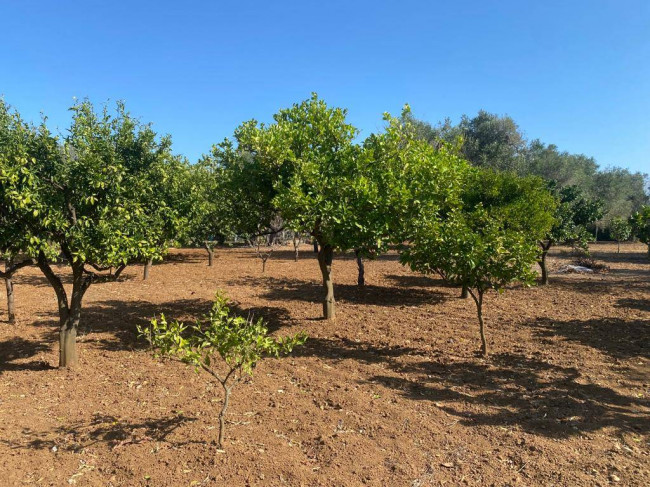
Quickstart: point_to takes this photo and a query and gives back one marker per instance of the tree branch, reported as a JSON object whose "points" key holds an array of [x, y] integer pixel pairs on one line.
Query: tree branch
{"points": [[7, 273], [53, 279]]}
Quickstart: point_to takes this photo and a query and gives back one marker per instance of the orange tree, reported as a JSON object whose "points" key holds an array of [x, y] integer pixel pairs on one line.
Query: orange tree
{"points": [[85, 201], [488, 241], [640, 222]]}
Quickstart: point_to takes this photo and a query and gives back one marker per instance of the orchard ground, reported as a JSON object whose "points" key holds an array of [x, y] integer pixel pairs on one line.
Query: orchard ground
{"points": [[391, 393]]}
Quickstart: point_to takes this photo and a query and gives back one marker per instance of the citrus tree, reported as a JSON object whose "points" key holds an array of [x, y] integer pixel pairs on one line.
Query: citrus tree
{"points": [[165, 199], [305, 160], [573, 213], [403, 179], [225, 346], [18, 205], [486, 242], [209, 217], [620, 230], [82, 203], [640, 222]]}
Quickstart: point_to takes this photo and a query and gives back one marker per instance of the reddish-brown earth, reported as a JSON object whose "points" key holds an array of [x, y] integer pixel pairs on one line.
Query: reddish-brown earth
{"points": [[391, 393]]}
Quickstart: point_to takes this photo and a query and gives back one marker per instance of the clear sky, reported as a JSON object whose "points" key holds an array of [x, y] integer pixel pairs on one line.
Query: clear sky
{"points": [[574, 73]]}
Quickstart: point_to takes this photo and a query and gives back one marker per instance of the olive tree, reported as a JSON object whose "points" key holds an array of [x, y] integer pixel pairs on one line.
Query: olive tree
{"points": [[224, 345]]}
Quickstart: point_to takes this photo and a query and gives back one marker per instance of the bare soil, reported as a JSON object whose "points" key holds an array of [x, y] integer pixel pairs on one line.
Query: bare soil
{"points": [[391, 393]]}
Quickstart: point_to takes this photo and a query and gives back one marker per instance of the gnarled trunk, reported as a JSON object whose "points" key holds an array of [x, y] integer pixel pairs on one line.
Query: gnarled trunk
{"points": [[147, 269], [361, 278], [325, 256]]}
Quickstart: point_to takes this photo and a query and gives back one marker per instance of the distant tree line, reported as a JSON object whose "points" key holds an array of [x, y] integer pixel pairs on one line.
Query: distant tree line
{"points": [[494, 141]]}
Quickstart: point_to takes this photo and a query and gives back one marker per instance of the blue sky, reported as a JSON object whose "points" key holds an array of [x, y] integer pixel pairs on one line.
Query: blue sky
{"points": [[573, 73]]}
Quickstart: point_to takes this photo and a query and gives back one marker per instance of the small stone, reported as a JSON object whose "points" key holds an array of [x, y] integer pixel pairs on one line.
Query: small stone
{"points": [[614, 478]]}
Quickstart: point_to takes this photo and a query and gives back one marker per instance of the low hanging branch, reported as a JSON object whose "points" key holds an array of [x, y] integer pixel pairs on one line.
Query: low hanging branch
{"points": [[12, 267], [238, 342]]}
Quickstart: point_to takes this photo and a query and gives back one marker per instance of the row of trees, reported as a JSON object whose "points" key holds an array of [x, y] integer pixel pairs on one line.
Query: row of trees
{"points": [[489, 140], [111, 192]]}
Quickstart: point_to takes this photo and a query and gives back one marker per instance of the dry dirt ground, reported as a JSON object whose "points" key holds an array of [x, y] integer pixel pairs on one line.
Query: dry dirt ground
{"points": [[391, 393]]}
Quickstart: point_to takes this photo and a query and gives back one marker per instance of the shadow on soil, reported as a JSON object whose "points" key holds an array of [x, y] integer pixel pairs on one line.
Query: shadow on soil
{"points": [[109, 430], [631, 303], [281, 289], [118, 320], [18, 348], [518, 391], [616, 337], [346, 349], [507, 390]]}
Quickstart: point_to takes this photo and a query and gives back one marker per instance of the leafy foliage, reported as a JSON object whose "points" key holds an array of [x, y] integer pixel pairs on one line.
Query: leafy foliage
{"points": [[222, 338], [494, 141], [92, 200], [574, 212], [641, 225], [620, 230], [485, 243]]}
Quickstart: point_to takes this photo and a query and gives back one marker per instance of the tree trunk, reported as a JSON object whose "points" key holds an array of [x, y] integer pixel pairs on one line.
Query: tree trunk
{"points": [[325, 256], [69, 313], [147, 269], [479, 312], [361, 279], [618, 251], [210, 251], [315, 246], [263, 266], [463, 293], [542, 263], [11, 310], [296, 246], [222, 415]]}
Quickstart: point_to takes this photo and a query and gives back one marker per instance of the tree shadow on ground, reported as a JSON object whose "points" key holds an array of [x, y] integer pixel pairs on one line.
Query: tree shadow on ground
{"points": [[418, 280], [507, 390], [595, 284], [284, 289], [616, 337], [632, 303], [346, 349], [103, 429], [18, 348], [118, 320], [612, 257], [518, 391]]}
